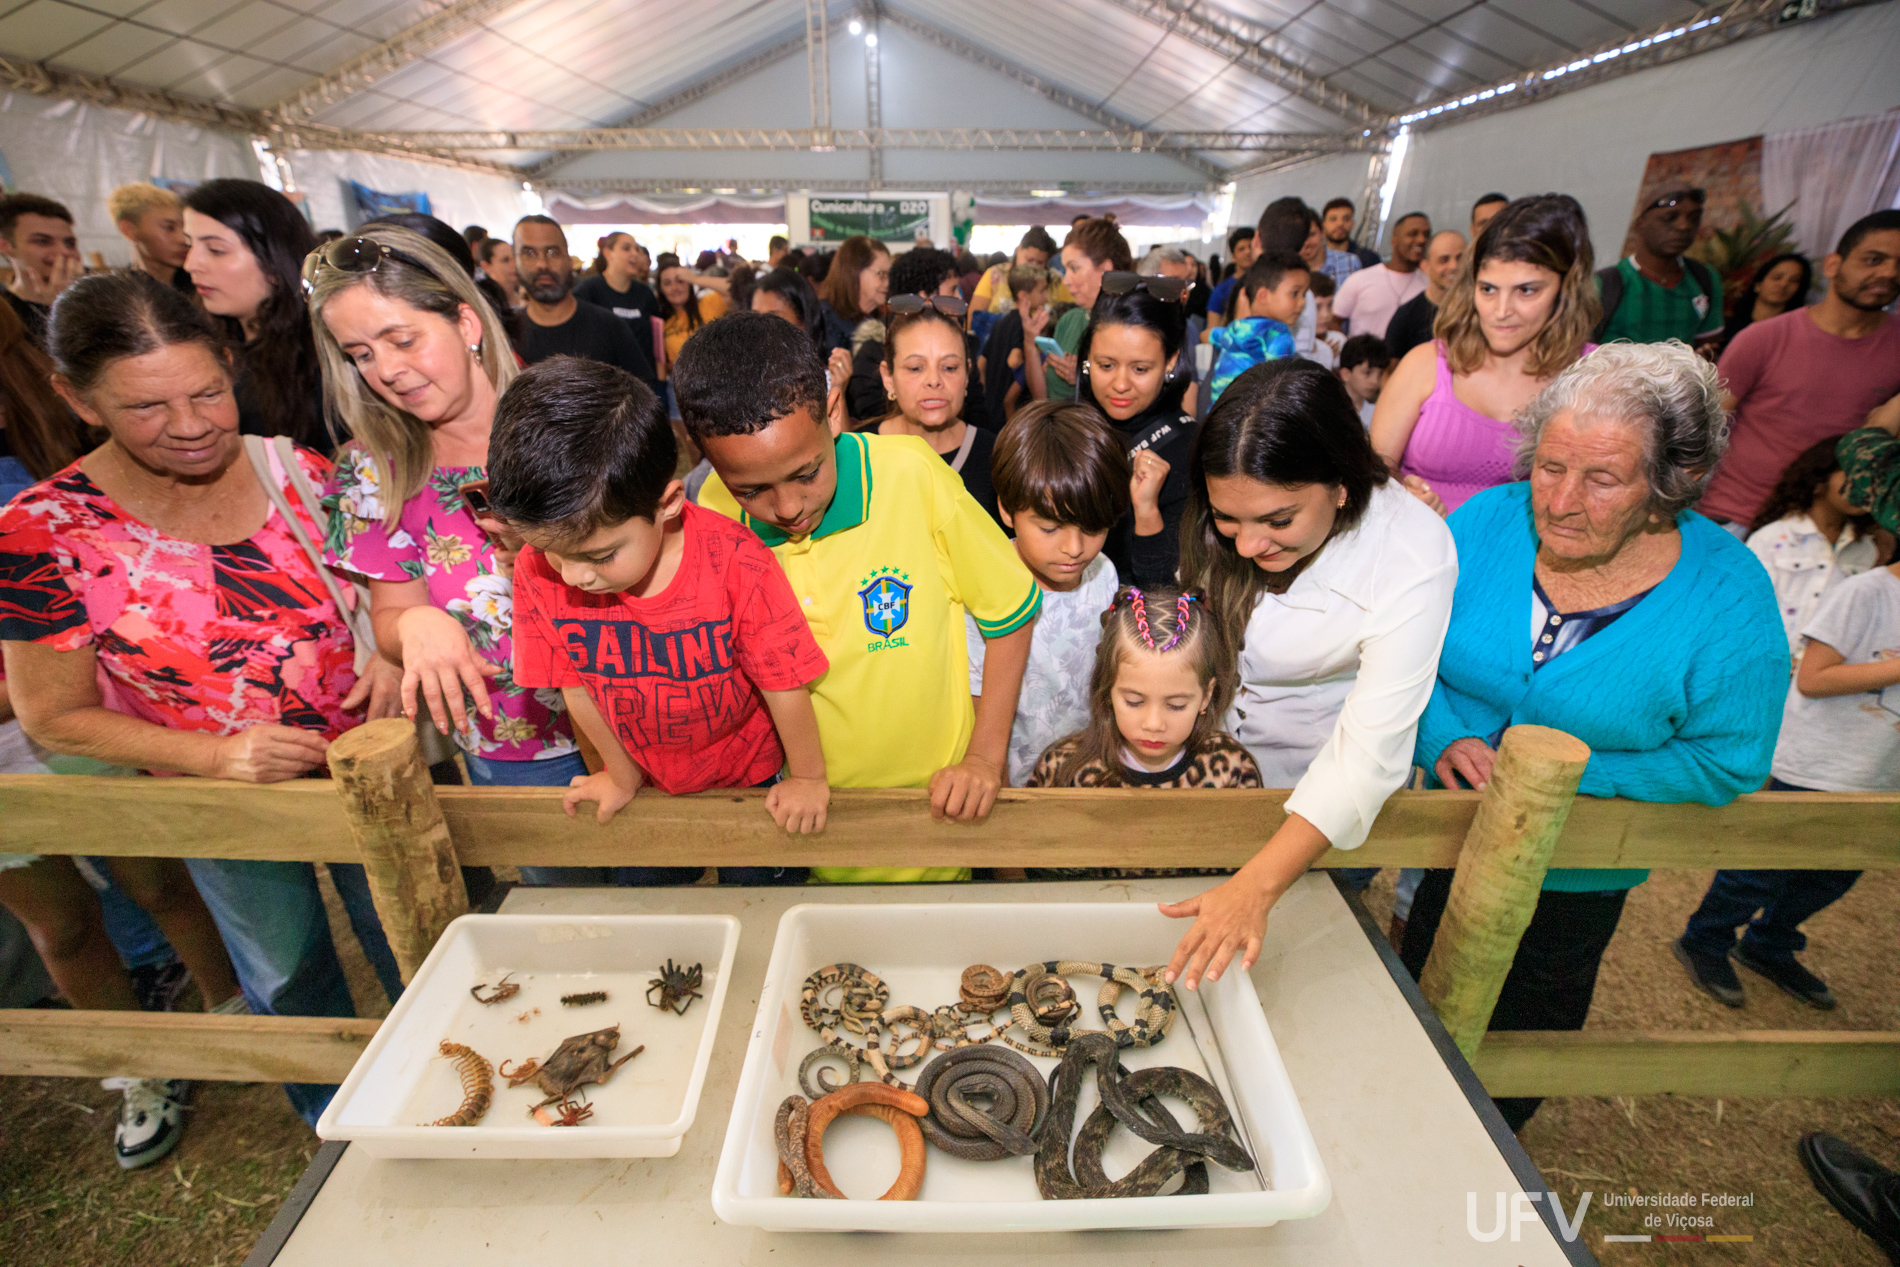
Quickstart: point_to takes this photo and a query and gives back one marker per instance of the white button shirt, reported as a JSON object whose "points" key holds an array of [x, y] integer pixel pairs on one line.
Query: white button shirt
{"points": [[1803, 566], [1336, 671]]}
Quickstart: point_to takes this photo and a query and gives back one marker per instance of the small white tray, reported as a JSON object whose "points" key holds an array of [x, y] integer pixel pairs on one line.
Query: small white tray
{"points": [[402, 1080], [920, 952]]}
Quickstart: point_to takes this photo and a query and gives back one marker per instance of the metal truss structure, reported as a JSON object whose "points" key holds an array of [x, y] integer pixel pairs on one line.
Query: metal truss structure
{"points": [[1247, 45], [751, 185], [1073, 140]]}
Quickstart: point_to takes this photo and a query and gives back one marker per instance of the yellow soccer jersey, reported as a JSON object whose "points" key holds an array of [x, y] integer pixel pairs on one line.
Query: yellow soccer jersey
{"points": [[901, 553]]}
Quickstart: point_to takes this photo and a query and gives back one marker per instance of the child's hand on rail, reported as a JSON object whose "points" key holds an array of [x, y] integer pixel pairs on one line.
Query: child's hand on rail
{"points": [[798, 805], [965, 791], [608, 795]]}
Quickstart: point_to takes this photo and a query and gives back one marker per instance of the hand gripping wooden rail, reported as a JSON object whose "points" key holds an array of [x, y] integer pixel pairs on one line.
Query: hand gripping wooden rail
{"points": [[382, 811]]}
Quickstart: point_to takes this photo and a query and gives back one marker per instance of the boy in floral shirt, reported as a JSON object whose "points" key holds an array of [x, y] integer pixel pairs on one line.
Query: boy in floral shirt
{"points": [[670, 631]]}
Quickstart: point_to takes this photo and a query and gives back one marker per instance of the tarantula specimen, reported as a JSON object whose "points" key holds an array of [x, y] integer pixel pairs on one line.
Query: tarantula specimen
{"points": [[678, 988]]}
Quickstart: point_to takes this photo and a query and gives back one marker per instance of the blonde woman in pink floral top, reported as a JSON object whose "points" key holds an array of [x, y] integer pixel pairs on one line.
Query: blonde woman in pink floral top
{"points": [[414, 360]]}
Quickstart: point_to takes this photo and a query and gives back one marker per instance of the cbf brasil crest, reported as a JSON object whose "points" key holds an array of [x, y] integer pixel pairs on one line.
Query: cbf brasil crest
{"points": [[886, 604]]}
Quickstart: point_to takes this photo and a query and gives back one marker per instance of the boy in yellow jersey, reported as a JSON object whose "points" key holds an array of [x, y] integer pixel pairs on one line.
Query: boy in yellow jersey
{"points": [[885, 552]]}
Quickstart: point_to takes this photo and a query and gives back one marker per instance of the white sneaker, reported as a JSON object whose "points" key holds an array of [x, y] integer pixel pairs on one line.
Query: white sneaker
{"points": [[151, 1120]]}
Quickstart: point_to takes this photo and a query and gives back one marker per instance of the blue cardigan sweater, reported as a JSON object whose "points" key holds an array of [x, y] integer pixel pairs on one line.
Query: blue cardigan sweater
{"points": [[1679, 700]]}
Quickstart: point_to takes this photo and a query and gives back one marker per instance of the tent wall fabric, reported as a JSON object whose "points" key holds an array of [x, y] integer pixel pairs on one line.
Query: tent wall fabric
{"points": [[1185, 211], [455, 196], [1315, 183], [78, 154], [1833, 174], [655, 209], [1594, 143]]}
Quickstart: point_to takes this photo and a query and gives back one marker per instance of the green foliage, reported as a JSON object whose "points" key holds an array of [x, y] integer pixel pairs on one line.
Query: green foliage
{"points": [[1734, 254]]}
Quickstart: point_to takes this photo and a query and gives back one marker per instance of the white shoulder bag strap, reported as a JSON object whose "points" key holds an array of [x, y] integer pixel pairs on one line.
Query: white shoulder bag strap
{"points": [[275, 461]]}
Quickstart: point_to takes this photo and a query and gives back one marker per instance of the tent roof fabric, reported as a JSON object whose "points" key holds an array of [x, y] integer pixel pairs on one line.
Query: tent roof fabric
{"points": [[524, 65]]}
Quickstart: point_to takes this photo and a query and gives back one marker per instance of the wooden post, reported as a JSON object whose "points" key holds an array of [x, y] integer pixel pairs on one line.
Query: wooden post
{"points": [[1500, 874], [413, 874]]}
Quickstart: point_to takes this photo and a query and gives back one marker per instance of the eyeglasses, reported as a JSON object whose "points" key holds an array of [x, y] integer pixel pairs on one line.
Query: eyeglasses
{"points": [[911, 305], [1166, 289], [358, 256], [1669, 202]]}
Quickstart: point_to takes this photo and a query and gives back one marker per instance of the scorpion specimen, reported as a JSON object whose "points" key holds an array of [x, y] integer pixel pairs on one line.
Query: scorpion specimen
{"points": [[477, 1090], [678, 988]]}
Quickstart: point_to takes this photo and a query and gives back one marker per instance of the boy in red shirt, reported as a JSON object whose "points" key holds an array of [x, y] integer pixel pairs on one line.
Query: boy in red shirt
{"points": [[670, 631]]}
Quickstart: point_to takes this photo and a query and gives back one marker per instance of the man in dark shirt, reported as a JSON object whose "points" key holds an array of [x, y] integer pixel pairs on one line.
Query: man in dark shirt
{"points": [[635, 305], [1412, 324], [559, 324], [36, 234]]}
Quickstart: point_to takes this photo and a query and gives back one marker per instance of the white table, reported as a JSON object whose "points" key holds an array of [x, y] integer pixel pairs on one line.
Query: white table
{"points": [[1388, 1100]]}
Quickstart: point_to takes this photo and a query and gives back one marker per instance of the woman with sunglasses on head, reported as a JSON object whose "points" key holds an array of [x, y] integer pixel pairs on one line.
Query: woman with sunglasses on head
{"points": [[1129, 355], [414, 361], [248, 244], [926, 372], [921, 273]]}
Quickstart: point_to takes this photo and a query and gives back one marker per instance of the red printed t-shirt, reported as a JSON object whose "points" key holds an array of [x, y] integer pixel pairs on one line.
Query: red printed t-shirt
{"points": [[677, 674], [1795, 385]]}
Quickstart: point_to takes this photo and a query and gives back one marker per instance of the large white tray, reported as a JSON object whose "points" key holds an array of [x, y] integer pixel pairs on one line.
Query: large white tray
{"points": [[401, 1080], [921, 951]]}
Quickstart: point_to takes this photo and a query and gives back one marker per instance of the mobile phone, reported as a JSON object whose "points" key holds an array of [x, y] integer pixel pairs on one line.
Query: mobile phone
{"points": [[475, 493], [1048, 346]]}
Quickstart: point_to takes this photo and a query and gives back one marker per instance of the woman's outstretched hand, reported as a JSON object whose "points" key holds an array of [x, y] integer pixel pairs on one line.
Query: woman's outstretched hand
{"points": [[1229, 919]]}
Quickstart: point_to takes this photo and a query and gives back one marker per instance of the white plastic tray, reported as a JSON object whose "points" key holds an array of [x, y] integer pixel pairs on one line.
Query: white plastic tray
{"points": [[920, 952], [401, 1080]]}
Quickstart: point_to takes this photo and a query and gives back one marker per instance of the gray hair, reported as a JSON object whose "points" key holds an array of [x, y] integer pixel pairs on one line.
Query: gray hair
{"points": [[1665, 388], [1151, 263]]}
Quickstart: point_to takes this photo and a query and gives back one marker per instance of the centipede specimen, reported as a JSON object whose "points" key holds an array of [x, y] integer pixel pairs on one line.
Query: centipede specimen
{"points": [[477, 1086], [582, 1000]]}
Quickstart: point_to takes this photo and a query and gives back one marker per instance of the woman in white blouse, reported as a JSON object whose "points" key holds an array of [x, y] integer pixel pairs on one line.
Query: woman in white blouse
{"points": [[1335, 586]]}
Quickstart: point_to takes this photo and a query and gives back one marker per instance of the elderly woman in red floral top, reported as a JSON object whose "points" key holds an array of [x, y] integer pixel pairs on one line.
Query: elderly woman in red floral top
{"points": [[157, 612]]}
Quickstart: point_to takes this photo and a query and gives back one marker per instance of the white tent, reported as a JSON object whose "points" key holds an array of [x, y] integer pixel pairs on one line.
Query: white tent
{"points": [[490, 105]]}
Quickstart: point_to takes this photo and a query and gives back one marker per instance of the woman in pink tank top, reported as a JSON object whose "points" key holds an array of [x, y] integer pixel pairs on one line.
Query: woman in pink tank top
{"points": [[1518, 313]]}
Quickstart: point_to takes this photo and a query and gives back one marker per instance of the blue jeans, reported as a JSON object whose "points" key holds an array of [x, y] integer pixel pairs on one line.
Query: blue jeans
{"points": [[1785, 899], [133, 933], [270, 915]]}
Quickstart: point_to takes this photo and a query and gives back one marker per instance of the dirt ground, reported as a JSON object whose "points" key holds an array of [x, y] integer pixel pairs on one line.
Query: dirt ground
{"points": [[206, 1205]]}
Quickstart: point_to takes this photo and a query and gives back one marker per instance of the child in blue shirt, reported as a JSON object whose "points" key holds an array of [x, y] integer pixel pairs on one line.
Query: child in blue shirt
{"points": [[1271, 299]]}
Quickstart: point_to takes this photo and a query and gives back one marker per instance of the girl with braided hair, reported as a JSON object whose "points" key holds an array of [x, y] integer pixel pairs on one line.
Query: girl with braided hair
{"points": [[1163, 678]]}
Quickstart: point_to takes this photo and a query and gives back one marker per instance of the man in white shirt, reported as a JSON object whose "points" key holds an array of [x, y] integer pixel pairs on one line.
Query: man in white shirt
{"points": [[1367, 299]]}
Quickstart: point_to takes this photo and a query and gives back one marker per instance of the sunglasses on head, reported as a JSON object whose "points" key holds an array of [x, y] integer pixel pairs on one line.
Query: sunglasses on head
{"points": [[1668, 202], [1166, 289], [358, 256], [911, 305]]}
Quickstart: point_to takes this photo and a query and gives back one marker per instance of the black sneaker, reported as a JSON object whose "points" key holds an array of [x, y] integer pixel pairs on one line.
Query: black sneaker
{"points": [[159, 986], [1790, 976], [1711, 974]]}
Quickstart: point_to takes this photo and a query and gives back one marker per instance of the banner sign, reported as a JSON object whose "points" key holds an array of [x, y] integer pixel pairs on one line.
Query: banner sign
{"points": [[371, 203], [887, 219]]}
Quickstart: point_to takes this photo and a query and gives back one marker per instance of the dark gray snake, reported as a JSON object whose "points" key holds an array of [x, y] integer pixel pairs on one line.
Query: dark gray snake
{"points": [[1018, 1103], [1133, 1100]]}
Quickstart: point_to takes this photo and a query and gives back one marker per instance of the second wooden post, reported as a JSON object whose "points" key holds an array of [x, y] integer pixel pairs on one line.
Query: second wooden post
{"points": [[1500, 874], [398, 827]]}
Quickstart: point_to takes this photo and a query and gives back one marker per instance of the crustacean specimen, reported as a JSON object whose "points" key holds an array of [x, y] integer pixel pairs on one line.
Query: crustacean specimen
{"points": [[477, 1089], [501, 990], [577, 1062], [678, 988]]}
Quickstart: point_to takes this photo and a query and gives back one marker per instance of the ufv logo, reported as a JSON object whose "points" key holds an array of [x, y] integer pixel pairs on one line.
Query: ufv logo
{"points": [[1524, 1210]]}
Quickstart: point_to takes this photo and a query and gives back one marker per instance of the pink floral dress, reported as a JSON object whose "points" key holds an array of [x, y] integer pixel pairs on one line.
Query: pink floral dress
{"points": [[436, 539]]}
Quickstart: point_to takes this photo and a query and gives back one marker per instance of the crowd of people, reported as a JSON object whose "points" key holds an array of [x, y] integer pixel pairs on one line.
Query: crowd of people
{"points": [[1317, 520]]}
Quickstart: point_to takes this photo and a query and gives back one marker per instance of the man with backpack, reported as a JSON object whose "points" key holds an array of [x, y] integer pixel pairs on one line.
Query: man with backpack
{"points": [[1658, 293]]}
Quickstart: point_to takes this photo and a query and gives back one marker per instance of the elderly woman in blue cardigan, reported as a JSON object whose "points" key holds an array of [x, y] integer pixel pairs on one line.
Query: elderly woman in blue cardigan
{"points": [[1591, 598]]}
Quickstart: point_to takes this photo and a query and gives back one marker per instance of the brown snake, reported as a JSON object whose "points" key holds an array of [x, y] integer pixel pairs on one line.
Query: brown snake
{"points": [[799, 1133]]}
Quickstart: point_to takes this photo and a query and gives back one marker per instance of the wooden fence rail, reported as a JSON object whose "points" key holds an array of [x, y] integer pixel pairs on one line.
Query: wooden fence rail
{"points": [[410, 835]]}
